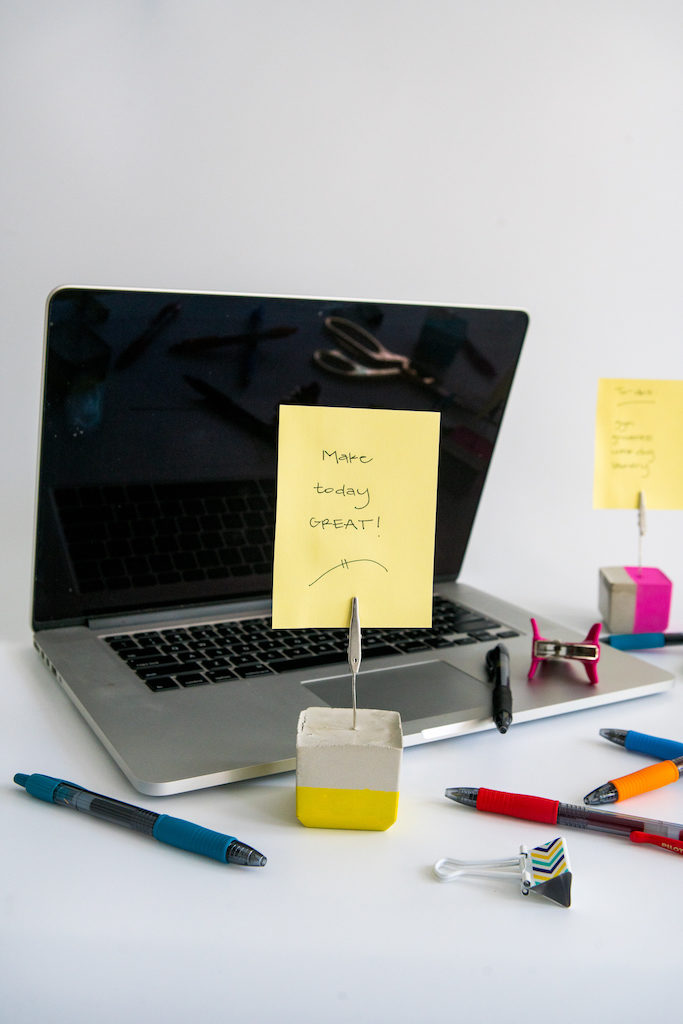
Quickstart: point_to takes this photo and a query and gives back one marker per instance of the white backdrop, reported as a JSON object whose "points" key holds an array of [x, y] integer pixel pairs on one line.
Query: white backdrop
{"points": [[526, 153]]}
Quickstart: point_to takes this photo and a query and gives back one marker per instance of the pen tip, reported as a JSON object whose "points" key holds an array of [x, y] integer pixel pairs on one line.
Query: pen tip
{"points": [[606, 794], [240, 853], [21, 779], [615, 735], [463, 795]]}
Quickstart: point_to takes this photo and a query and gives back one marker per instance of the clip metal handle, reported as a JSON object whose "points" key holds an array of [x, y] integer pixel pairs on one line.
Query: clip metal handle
{"points": [[586, 651]]}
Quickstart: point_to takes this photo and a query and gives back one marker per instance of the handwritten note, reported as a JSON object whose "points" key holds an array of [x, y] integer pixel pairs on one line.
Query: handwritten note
{"points": [[639, 444], [356, 510]]}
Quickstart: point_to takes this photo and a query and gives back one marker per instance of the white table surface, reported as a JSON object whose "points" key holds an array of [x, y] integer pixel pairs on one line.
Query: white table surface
{"points": [[102, 924]]}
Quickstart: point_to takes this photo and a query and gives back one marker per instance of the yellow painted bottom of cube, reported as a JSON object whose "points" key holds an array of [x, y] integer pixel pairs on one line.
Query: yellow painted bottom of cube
{"points": [[371, 809]]}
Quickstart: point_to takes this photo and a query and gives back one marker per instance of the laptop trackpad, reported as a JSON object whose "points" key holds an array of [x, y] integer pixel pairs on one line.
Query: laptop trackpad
{"points": [[415, 691]]}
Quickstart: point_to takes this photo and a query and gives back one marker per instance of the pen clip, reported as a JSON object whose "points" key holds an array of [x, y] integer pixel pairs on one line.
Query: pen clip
{"points": [[492, 663], [497, 662], [674, 845]]}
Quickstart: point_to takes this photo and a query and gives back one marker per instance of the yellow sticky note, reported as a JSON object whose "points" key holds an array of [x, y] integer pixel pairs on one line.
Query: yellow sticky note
{"points": [[638, 443], [356, 513]]}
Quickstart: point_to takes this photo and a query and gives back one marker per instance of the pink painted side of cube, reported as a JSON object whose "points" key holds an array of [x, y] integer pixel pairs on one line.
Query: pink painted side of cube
{"points": [[653, 599]]}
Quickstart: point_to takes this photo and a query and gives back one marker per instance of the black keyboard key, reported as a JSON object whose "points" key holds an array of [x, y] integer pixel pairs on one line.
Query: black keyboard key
{"points": [[122, 643], [411, 645], [215, 663], [220, 675], [323, 648], [149, 661], [300, 651], [378, 651], [303, 661], [189, 658], [253, 669], [241, 660], [161, 669], [159, 683], [192, 679]]}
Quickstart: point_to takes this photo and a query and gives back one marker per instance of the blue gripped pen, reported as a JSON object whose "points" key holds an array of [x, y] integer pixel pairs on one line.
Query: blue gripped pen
{"points": [[173, 831], [642, 641], [653, 746]]}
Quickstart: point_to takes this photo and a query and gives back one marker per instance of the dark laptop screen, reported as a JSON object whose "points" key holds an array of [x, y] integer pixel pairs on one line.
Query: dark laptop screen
{"points": [[159, 433]]}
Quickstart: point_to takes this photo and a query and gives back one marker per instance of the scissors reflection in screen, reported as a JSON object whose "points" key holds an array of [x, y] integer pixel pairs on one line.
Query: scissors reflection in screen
{"points": [[361, 354]]}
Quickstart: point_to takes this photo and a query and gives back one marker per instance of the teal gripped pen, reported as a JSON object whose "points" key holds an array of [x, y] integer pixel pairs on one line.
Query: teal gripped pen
{"points": [[173, 831], [642, 641]]}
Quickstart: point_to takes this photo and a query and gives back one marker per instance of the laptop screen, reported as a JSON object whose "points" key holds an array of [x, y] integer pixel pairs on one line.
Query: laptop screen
{"points": [[159, 433]]}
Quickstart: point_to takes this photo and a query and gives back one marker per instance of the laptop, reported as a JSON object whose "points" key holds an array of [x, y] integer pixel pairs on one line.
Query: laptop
{"points": [[155, 522]]}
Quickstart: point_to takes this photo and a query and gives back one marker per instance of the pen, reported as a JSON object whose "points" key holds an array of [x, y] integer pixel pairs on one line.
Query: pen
{"points": [[641, 641], [535, 808], [644, 744], [498, 669], [173, 831], [652, 777]]}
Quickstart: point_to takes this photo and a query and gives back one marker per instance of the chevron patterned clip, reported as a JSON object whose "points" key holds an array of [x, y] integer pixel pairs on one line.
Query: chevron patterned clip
{"points": [[544, 870]]}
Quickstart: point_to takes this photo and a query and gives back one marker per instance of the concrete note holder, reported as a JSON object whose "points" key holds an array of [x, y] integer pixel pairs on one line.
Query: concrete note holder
{"points": [[346, 777], [634, 599]]}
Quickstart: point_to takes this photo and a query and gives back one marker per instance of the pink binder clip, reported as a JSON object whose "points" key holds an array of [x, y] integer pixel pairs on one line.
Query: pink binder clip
{"points": [[587, 651]]}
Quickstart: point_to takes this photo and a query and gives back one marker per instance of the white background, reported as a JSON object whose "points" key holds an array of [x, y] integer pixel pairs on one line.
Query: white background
{"points": [[525, 153]]}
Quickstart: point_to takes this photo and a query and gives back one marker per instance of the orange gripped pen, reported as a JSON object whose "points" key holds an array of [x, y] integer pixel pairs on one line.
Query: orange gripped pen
{"points": [[643, 781]]}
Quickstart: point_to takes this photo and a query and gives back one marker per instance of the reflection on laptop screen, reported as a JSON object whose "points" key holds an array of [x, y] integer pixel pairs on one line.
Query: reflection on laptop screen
{"points": [[159, 435]]}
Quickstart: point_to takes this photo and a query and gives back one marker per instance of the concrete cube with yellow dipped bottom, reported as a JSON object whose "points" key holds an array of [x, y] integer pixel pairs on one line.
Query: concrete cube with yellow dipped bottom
{"points": [[346, 777]]}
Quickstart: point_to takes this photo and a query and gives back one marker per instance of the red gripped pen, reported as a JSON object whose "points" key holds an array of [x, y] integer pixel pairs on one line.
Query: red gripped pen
{"points": [[666, 834]]}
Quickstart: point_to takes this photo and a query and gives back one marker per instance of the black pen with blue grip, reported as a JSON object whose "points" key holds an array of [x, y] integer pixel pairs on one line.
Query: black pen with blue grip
{"points": [[173, 831]]}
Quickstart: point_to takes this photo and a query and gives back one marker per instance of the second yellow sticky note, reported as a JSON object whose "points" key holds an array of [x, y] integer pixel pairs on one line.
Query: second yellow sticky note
{"points": [[639, 429], [356, 512]]}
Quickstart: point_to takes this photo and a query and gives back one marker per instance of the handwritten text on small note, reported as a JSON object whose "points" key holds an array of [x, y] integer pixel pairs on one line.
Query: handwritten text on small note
{"points": [[639, 443]]}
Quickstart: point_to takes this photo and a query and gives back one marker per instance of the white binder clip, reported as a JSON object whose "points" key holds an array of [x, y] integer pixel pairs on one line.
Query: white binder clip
{"points": [[544, 870]]}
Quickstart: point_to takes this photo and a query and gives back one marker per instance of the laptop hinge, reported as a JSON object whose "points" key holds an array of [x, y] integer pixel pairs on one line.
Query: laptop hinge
{"points": [[195, 613]]}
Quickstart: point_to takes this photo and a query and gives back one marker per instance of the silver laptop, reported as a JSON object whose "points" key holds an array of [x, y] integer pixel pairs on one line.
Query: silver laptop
{"points": [[155, 516]]}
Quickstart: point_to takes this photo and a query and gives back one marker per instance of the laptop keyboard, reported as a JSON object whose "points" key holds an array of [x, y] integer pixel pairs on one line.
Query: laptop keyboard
{"points": [[173, 657]]}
